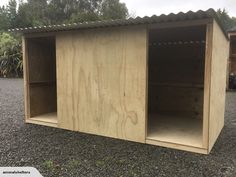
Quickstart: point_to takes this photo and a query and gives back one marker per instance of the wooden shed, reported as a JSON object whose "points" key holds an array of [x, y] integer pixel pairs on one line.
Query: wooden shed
{"points": [[232, 54], [157, 80]]}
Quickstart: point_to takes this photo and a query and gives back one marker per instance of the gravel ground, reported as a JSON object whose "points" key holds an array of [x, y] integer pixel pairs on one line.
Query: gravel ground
{"points": [[56, 152]]}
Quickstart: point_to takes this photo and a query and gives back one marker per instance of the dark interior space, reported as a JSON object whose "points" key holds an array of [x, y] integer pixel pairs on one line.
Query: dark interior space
{"points": [[42, 76], [175, 84]]}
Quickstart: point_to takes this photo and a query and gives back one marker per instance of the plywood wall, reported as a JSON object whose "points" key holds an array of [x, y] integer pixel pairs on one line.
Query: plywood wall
{"points": [[101, 77], [173, 100], [220, 54]]}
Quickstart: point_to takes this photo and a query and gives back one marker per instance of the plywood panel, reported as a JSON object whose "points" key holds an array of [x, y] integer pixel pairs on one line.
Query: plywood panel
{"points": [[101, 82], [177, 146], [207, 84], [49, 119], [26, 77], [185, 130], [176, 100], [220, 53], [42, 99]]}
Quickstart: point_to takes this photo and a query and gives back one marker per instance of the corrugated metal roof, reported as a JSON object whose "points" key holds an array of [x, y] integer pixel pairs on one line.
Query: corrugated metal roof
{"points": [[190, 15]]}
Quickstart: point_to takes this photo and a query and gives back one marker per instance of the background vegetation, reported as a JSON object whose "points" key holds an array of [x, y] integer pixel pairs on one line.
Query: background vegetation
{"points": [[46, 12]]}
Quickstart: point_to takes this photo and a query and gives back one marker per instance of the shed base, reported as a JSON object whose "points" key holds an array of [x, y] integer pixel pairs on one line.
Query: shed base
{"points": [[49, 119], [175, 129]]}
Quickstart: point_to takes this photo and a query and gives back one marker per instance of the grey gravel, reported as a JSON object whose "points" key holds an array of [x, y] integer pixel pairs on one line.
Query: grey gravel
{"points": [[56, 152]]}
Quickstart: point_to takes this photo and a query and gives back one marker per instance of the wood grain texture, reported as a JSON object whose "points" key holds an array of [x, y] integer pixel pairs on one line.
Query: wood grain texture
{"points": [[207, 84], [179, 129], [26, 77], [42, 100], [101, 77], [220, 54], [177, 146], [49, 119]]}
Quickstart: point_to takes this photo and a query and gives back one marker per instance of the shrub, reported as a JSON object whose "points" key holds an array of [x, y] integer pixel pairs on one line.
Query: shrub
{"points": [[11, 64]]}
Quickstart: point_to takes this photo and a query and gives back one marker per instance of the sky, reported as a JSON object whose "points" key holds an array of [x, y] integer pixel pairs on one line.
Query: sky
{"points": [[157, 7]]}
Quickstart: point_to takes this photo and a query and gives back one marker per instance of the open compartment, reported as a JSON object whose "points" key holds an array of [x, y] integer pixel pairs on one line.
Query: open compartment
{"points": [[233, 46], [42, 90], [232, 64], [176, 63]]}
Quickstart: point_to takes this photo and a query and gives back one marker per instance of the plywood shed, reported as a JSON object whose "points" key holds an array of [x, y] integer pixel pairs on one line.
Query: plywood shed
{"points": [[157, 80], [232, 54]]}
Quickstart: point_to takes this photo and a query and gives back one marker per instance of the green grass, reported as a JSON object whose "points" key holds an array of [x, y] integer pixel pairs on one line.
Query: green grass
{"points": [[48, 164]]}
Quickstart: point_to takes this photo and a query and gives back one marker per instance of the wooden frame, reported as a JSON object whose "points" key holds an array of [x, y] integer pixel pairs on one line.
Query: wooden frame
{"points": [[29, 118], [87, 100]]}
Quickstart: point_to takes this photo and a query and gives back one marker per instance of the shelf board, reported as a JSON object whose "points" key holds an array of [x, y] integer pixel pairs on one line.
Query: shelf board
{"points": [[42, 83], [175, 129], [233, 55], [185, 85], [49, 119]]}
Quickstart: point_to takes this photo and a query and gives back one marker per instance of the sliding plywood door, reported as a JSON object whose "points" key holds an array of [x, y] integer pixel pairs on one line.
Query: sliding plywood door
{"points": [[101, 76]]}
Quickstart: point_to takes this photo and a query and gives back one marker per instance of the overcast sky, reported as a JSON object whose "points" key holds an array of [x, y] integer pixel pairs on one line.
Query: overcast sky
{"points": [[157, 7]]}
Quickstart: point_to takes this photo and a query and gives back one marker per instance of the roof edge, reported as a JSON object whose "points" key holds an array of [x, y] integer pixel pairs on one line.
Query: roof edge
{"points": [[190, 15]]}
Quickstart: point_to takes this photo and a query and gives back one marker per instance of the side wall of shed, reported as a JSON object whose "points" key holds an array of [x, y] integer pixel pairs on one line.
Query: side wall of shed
{"points": [[101, 82], [220, 54]]}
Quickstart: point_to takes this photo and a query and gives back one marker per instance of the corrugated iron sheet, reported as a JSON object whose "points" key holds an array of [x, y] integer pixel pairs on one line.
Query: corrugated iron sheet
{"points": [[190, 15]]}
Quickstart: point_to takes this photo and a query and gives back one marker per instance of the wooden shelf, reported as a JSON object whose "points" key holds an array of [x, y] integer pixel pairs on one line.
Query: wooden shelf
{"points": [[175, 129], [42, 83], [49, 119], [186, 85], [233, 55]]}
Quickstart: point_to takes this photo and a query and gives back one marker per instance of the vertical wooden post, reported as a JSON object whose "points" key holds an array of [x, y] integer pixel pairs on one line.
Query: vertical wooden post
{"points": [[207, 84], [26, 77], [147, 75]]}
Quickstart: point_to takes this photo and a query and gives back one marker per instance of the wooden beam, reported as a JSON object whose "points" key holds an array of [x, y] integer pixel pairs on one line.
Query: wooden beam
{"points": [[40, 34], [147, 66]]}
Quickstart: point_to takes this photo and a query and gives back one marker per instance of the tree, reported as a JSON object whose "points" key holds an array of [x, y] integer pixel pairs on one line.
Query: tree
{"points": [[85, 10], [10, 56], [45, 12], [225, 19], [32, 13], [4, 23], [12, 13], [113, 9]]}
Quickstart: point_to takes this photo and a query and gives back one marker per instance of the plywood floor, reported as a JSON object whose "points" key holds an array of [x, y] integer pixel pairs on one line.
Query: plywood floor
{"points": [[48, 118], [175, 129]]}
